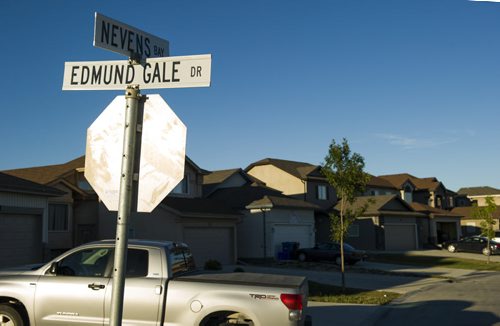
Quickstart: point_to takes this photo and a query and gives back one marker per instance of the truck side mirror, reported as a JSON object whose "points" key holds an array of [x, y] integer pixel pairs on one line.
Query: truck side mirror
{"points": [[53, 268]]}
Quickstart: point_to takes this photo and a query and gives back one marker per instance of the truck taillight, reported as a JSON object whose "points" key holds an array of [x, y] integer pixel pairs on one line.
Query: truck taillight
{"points": [[292, 301]]}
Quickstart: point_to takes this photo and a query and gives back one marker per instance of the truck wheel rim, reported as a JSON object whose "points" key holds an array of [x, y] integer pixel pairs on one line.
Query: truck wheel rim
{"points": [[6, 320]]}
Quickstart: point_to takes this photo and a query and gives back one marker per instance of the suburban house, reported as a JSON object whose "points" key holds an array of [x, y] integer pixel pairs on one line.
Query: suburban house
{"points": [[78, 216], [73, 214], [476, 195], [230, 214], [479, 194], [429, 196], [302, 181], [25, 217], [470, 224], [270, 218], [207, 225], [388, 223]]}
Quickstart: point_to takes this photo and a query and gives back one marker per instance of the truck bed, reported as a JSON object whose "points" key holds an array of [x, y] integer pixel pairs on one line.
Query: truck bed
{"points": [[253, 279]]}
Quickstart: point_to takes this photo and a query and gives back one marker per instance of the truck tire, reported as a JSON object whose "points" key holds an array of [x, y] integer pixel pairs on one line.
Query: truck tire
{"points": [[224, 318], [9, 316]]}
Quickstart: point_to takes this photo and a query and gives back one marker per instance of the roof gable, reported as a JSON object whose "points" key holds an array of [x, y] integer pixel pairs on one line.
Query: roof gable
{"points": [[479, 191], [399, 180], [49, 173], [9, 183], [299, 170], [281, 202], [377, 204]]}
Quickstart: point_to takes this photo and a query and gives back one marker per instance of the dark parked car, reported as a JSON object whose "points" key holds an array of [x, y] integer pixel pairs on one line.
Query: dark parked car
{"points": [[331, 251], [473, 244]]}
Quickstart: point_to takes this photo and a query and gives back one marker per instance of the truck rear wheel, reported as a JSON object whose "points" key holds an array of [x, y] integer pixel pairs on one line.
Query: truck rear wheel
{"points": [[227, 318], [9, 316]]}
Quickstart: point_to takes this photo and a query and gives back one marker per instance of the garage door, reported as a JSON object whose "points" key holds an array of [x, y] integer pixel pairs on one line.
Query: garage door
{"points": [[20, 239], [400, 237], [210, 243], [292, 233]]}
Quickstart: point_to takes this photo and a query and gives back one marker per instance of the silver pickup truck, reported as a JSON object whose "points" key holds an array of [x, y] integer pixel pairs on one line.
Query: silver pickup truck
{"points": [[162, 287]]}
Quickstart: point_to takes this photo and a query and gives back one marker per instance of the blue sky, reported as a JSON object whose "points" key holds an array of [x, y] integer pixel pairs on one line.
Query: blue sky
{"points": [[414, 85]]}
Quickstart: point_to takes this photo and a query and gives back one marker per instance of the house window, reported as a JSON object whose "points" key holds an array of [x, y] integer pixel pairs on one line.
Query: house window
{"points": [[408, 194], [322, 192], [450, 202], [438, 202], [83, 183], [183, 186], [353, 231], [58, 217]]}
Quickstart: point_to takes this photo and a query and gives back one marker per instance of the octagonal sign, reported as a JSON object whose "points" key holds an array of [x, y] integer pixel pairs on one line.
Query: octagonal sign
{"points": [[161, 159]]}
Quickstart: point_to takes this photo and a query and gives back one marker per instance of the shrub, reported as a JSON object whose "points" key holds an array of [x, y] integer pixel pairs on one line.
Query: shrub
{"points": [[213, 265]]}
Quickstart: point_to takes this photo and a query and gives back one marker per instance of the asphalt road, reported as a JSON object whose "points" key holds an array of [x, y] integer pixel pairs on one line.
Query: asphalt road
{"points": [[450, 297], [473, 301]]}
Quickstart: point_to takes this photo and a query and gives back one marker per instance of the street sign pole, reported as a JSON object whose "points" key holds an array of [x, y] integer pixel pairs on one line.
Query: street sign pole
{"points": [[133, 97], [154, 71]]}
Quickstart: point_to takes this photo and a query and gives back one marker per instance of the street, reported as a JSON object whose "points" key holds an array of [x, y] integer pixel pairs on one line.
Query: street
{"points": [[469, 302], [450, 297]]}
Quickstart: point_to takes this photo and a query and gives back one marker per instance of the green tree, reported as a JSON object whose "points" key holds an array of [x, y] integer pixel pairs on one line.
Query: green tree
{"points": [[344, 171], [485, 214]]}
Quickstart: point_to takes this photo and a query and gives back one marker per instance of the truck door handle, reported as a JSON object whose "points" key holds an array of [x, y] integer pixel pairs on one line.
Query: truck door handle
{"points": [[95, 286]]}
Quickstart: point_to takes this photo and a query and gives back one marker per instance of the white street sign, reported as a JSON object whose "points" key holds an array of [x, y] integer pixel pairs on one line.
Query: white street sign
{"points": [[170, 72], [118, 37], [161, 159]]}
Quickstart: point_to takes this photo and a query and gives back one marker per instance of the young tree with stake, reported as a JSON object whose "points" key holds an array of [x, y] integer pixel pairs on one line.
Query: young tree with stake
{"points": [[485, 214], [344, 171]]}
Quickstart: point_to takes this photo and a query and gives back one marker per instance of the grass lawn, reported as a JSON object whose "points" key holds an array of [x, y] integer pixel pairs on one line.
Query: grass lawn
{"points": [[330, 293], [448, 262]]}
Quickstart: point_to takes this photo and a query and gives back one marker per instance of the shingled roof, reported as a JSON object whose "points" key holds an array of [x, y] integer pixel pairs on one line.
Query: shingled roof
{"points": [[479, 191], [281, 201], [398, 181], [433, 211], [380, 183], [47, 174], [378, 205], [9, 183], [300, 170]]}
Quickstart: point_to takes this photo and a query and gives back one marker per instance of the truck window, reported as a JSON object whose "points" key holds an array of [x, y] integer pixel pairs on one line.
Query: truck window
{"points": [[86, 263], [137, 263], [181, 260], [93, 263]]}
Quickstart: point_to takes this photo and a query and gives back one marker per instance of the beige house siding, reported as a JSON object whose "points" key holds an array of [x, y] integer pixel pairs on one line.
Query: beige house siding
{"points": [[481, 200], [278, 179]]}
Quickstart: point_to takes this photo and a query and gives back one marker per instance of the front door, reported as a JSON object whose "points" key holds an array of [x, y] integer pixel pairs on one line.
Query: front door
{"points": [[74, 291]]}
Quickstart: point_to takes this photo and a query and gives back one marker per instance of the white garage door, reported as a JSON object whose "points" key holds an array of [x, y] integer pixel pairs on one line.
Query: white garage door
{"points": [[210, 243], [20, 239], [292, 233], [400, 237]]}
